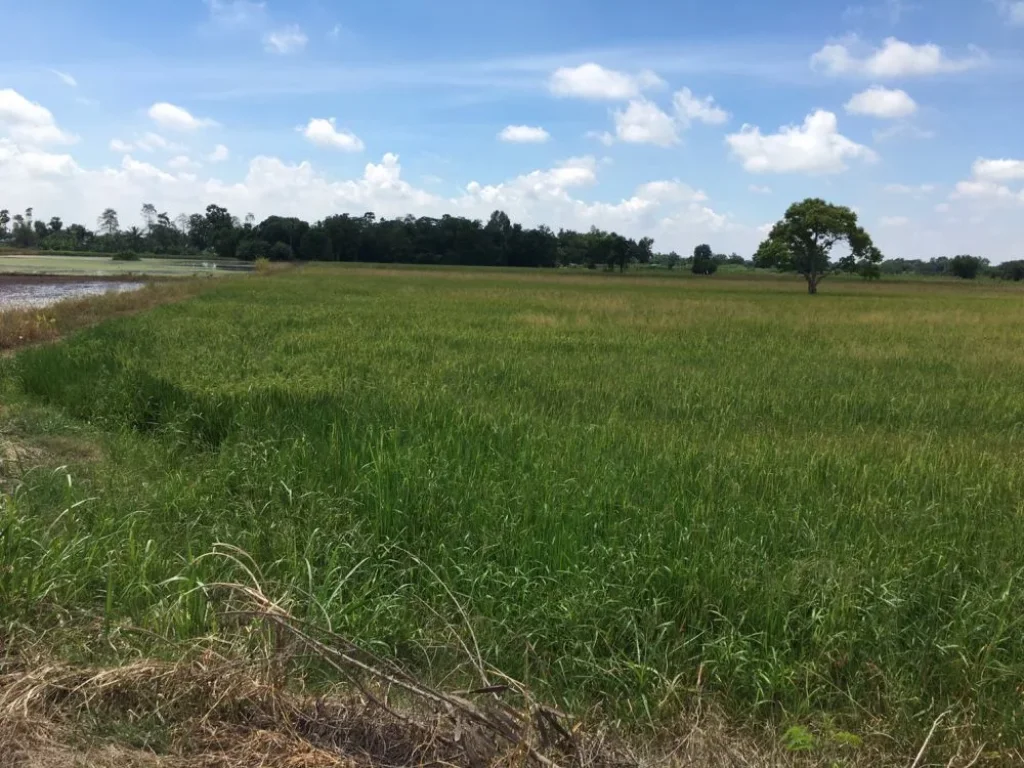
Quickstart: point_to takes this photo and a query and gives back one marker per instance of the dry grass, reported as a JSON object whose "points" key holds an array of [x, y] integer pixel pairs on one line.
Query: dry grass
{"points": [[23, 327], [246, 707]]}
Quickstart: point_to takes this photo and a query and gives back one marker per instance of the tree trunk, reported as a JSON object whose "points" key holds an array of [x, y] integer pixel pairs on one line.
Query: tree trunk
{"points": [[812, 284]]}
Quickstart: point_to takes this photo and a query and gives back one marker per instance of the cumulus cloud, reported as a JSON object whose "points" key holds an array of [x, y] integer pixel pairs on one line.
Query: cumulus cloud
{"points": [[29, 122], [895, 58], [643, 122], [882, 102], [524, 134], [998, 170], [991, 182], [290, 39], [689, 108], [177, 118], [816, 147], [324, 133], [592, 81], [219, 155]]}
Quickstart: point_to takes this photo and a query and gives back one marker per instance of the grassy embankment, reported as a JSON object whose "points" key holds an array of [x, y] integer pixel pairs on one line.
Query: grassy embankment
{"points": [[639, 491]]}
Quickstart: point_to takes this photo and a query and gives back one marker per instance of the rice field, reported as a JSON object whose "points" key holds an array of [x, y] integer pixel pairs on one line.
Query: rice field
{"points": [[628, 492]]}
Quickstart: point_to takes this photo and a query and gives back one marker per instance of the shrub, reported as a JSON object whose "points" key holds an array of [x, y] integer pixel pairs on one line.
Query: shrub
{"points": [[281, 252], [126, 256]]}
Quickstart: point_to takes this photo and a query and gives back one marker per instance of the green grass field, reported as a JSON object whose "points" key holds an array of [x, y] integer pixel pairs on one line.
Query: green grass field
{"points": [[637, 489]]}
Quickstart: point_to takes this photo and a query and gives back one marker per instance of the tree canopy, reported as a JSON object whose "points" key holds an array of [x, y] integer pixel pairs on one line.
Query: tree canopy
{"points": [[803, 240]]}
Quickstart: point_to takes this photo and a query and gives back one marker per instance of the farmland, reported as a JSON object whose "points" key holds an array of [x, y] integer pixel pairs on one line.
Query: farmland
{"points": [[636, 491]]}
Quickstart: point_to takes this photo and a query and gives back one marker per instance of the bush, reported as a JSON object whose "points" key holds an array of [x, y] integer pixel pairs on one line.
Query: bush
{"points": [[704, 266], [262, 265], [281, 252], [126, 256], [252, 250]]}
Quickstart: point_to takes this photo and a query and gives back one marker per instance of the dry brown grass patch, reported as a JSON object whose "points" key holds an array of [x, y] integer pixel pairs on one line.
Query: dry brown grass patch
{"points": [[22, 327]]}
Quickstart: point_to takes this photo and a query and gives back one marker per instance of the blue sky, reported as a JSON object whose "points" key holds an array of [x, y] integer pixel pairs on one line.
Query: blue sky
{"points": [[687, 121]]}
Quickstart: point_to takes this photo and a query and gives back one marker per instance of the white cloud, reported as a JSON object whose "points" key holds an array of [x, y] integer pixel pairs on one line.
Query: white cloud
{"points": [[894, 221], [689, 107], [323, 133], [882, 102], [25, 168], [290, 39], [985, 190], [998, 170], [914, 190], [816, 147], [152, 142], [28, 121], [121, 147], [643, 122], [524, 134], [65, 78], [592, 81], [895, 58], [759, 190], [176, 118], [183, 163], [219, 155]]}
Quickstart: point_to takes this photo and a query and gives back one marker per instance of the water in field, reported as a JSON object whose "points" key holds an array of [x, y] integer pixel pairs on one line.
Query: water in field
{"points": [[43, 294]]}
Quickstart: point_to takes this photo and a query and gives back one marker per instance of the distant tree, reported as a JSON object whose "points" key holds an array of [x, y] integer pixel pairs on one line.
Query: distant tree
{"points": [[108, 222], [704, 261], [5, 219], [315, 245], [250, 220], [1011, 270], [735, 258], [56, 224], [41, 230], [251, 249], [966, 267], [802, 242], [149, 215], [133, 239], [28, 215]]}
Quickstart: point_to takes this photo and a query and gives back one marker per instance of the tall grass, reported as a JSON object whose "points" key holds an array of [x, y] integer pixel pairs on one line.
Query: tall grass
{"points": [[636, 490]]}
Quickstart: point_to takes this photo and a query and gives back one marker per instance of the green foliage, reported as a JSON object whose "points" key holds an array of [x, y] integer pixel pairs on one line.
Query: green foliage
{"points": [[803, 241], [966, 267], [1011, 270], [281, 252], [704, 261], [629, 486], [797, 738], [126, 256]]}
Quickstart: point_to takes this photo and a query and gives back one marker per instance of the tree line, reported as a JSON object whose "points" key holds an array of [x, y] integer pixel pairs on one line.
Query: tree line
{"points": [[454, 240]]}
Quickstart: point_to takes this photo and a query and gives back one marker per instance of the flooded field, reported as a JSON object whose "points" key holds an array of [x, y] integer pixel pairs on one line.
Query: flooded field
{"points": [[24, 293], [100, 266]]}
